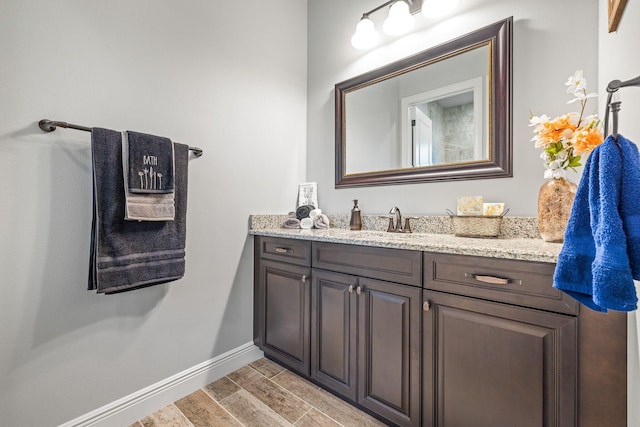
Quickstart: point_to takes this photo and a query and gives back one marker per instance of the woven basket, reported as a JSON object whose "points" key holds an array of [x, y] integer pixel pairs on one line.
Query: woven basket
{"points": [[476, 225]]}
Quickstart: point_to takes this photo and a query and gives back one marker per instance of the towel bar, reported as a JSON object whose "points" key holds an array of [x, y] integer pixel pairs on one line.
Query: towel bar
{"points": [[51, 125]]}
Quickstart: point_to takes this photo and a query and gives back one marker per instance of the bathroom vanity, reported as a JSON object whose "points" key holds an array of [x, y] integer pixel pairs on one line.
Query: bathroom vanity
{"points": [[428, 330]]}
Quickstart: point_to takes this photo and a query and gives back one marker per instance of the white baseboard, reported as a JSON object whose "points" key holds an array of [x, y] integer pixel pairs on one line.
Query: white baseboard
{"points": [[137, 405]]}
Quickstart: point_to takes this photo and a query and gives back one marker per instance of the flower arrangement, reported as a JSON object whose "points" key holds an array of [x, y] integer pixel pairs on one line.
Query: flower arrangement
{"points": [[565, 139]]}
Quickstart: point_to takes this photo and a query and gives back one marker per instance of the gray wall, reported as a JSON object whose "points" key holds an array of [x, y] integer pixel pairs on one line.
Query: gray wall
{"points": [[551, 41], [196, 71], [618, 60]]}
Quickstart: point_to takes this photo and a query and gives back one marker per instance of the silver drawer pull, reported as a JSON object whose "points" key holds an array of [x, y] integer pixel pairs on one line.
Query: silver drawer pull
{"points": [[426, 306], [350, 289], [492, 279], [359, 290], [284, 250]]}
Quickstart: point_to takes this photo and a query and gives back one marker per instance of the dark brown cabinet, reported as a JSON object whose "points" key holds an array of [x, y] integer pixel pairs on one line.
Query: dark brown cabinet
{"points": [[502, 347], [439, 340], [379, 322], [334, 332], [497, 365], [283, 303], [365, 331], [389, 350]]}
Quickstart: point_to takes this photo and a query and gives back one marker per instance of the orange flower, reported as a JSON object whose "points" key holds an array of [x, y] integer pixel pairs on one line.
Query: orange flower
{"points": [[585, 140], [564, 139], [558, 129]]}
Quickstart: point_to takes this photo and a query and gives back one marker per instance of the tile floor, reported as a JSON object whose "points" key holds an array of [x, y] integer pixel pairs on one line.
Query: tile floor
{"points": [[263, 394]]}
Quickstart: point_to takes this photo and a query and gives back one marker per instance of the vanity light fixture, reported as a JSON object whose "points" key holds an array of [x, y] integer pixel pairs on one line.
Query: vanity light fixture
{"points": [[366, 35], [400, 19]]}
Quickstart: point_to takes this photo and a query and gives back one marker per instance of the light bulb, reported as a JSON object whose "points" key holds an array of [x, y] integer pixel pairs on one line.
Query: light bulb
{"points": [[399, 20], [435, 9], [366, 35]]}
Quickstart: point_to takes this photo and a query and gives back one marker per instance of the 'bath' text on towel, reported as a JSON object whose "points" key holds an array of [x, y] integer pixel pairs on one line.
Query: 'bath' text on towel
{"points": [[150, 160]]}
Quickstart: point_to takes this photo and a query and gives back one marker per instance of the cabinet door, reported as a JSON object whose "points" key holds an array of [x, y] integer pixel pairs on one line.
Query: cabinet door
{"points": [[284, 300], [389, 350], [333, 332], [490, 364]]}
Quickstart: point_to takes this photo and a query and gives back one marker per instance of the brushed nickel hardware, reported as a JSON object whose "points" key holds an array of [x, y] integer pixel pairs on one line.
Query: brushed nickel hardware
{"points": [[492, 279], [359, 290], [350, 289], [304, 279], [398, 224], [407, 224], [284, 250], [614, 106], [395, 222], [426, 306]]}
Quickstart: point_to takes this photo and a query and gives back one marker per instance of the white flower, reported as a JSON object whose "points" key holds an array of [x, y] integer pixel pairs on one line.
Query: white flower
{"points": [[576, 83], [562, 156], [537, 120], [591, 121], [556, 164], [555, 173], [581, 96]]}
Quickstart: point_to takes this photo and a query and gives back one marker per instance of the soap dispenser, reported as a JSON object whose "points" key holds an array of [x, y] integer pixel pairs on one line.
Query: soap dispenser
{"points": [[356, 219]]}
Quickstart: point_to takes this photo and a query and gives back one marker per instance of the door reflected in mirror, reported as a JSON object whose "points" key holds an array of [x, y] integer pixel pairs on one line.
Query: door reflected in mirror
{"points": [[432, 116], [445, 126], [442, 114]]}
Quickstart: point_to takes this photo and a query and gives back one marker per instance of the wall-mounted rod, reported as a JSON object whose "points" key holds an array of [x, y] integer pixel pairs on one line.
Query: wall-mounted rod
{"points": [[51, 125], [614, 107]]}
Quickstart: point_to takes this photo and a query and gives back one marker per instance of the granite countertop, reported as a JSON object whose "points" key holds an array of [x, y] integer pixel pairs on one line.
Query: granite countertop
{"points": [[511, 247]]}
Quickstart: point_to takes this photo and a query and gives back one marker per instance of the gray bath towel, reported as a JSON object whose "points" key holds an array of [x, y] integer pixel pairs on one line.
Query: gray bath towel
{"points": [[127, 255], [321, 222], [153, 200], [291, 221], [150, 163]]}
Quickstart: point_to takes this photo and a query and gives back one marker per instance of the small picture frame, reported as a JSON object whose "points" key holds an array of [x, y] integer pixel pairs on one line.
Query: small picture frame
{"points": [[616, 7], [308, 194]]}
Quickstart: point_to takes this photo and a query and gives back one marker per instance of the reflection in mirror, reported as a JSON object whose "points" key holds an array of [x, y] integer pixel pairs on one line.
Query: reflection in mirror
{"points": [[423, 118], [441, 114], [445, 126]]}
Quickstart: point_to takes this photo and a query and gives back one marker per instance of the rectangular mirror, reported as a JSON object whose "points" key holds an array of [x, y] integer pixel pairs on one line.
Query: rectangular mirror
{"points": [[441, 114]]}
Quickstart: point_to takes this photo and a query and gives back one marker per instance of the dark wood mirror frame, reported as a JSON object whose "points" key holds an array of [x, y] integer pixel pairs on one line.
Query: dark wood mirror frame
{"points": [[499, 36]]}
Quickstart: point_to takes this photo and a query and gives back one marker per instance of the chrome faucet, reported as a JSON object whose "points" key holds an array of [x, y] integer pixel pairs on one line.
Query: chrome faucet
{"points": [[398, 226]]}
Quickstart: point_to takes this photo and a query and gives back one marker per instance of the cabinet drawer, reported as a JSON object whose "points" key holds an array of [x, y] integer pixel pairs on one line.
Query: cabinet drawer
{"points": [[524, 283], [393, 265], [285, 250]]}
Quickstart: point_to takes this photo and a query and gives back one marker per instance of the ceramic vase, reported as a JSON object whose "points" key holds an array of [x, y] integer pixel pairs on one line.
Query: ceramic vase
{"points": [[555, 200]]}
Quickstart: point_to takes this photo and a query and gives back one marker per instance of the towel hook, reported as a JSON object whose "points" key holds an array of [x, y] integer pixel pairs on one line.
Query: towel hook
{"points": [[614, 107]]}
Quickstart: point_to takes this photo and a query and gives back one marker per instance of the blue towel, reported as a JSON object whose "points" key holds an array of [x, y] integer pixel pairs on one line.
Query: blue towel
{"points": [[602, 240], [630, 202], [127, 255]]}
